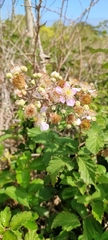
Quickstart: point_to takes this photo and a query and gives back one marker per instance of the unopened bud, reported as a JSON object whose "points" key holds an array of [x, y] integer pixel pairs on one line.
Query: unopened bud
{"points": [[38, 104], [93, 119], [23, 68], [9, 75], [69, 126], [53, 108], [77, 103], [53, 79], [55, 74], [63, 111], [33, 82], [86, 107], [20, 102]]}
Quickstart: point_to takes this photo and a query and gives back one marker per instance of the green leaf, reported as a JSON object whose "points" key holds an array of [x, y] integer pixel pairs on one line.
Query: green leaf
{"points": [[35, 185], [31, 225], [105, 65], [45, 193], [92, 229], [102, 179], [84, 199], [5, 136], [20, 219], [2, 229], [69, 192], [19, 234], [95, 140], [79, 208], [1, 149], [38, 136], [100, 194], [87, 169], [101, 169], [6, 177], [67, 144], [33, 132], [23, 177], [23, 160], [68, 180], [31, 235], [66, 220], [63, 235], [97, 210], [9, 235], [37, 164], [18, 194], [42, 211], [5, 216], [104, 236], [56, 166], [106, 137], [95, 143]]}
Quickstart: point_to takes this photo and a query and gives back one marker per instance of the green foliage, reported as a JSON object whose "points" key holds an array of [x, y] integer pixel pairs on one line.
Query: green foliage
{"points": [[18, 194], [67, 220], [95, 140], [68, 191], [87, 169], [5, 217]]}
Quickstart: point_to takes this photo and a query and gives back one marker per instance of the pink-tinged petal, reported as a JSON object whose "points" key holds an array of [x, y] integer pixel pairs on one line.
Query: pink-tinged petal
{"points": [[74, 91], [44, 126], [67, 85], [58, 90], [70, 102], [43, 109], [77, 89], [62, 99]]}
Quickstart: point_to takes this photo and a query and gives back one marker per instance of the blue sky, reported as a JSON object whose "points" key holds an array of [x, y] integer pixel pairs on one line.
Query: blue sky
{"points": [[75, 7]]}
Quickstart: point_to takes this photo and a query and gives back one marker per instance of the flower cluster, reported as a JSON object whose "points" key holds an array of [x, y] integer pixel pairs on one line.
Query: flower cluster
{"points": [[50, 100]]}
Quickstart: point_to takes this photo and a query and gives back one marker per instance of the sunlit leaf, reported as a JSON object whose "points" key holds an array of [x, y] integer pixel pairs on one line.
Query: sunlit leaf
{"points": [[18, 195], [66, 220], [97, 210], [87, 169], [9, 235], [20, 219], [5, 216], [56, 166]]}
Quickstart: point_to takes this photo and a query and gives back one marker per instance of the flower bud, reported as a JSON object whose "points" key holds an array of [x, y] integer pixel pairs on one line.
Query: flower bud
{"points": [[69, 126], [53, 79], [39, 75], [23, 92], [20, 102], [33, 82], [55, 74], [53, 108], [60, 77], [63, 111], [23, 68], [9, 75], [93, 119], [38, 104], [77, 103], [86, 107]]}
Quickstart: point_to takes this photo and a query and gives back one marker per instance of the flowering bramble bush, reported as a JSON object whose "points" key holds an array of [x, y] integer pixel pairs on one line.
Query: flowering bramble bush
{"points": [[54, 185], [52, 100]]}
